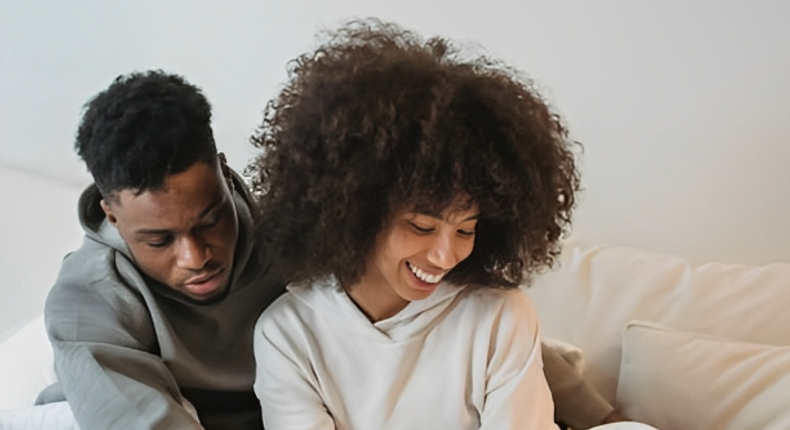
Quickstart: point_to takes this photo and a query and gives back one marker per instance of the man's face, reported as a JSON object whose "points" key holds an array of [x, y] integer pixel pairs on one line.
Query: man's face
{"points": [[183, 235]]}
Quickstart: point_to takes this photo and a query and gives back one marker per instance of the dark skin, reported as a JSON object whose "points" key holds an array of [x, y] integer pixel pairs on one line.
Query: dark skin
{"points": [[183, 234]]}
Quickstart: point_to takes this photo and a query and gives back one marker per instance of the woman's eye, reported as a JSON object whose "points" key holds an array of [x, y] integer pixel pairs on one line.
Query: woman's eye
{"points": [[466, 233], [420, 229]]}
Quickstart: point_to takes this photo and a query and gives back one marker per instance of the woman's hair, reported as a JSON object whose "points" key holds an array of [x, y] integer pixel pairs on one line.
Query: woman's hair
{"points": [[375, 121]]}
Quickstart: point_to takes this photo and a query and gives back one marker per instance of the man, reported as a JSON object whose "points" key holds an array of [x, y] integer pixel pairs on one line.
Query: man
{"points": [[154, 313]]}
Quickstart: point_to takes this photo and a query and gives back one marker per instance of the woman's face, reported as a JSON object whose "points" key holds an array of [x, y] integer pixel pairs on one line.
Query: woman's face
{"points": [[410, 258]]}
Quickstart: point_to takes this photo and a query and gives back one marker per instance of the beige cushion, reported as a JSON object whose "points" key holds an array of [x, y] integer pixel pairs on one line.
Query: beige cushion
{"points": [[682, 381], [597, 290]]}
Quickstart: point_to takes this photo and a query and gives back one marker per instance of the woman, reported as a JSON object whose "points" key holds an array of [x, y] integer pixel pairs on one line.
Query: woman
{"points": [[410, 191]]}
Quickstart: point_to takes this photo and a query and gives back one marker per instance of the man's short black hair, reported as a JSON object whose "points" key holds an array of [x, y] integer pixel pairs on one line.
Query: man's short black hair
{"points": [[143, 128]]}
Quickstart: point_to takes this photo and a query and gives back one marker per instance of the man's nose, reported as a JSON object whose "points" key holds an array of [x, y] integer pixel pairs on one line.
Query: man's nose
{"points": [[192, 253]]}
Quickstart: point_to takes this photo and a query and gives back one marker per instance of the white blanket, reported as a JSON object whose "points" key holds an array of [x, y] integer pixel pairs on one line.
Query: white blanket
{"points": [[52, 416], [58, 416]]}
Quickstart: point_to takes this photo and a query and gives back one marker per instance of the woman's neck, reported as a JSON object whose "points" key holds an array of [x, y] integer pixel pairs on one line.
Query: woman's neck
{"points": [[376, 301]]}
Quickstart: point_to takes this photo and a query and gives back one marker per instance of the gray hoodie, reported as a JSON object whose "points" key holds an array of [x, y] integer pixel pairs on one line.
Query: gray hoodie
{"points": [[129, 350]]}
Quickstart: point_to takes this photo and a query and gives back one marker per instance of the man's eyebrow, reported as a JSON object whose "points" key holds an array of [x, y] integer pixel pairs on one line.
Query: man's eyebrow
{"points": [[202, 214], [151, 231], [212, 206]]}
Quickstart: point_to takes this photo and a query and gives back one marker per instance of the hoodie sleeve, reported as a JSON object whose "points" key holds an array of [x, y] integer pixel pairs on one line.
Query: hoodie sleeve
{"points": [[517, 395], [576, 402], [283, 381], [106, 352]]}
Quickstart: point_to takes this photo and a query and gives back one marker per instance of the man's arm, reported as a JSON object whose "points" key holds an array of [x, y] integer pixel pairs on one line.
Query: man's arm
{"points": [[105, 357], [576, 402]]}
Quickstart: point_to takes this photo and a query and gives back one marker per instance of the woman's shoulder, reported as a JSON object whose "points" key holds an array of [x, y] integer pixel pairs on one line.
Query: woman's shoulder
{"points": [[502, 304], [298, 305], [506, 299], [504, 319]]}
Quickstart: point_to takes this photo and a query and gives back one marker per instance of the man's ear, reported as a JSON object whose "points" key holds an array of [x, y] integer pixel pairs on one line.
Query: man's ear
{"points": [[226, 173], [108, 211]]}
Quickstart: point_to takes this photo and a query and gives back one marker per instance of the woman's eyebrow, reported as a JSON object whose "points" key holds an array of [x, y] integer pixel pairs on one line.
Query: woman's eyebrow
{"points": [[440, 218]]}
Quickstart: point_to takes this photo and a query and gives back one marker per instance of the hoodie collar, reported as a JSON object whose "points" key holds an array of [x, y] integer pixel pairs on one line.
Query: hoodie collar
{"points": [[326, 296]]}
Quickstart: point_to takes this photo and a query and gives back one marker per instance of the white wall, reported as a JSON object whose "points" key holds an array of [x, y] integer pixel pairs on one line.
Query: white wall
{"points": [[681, 105]]}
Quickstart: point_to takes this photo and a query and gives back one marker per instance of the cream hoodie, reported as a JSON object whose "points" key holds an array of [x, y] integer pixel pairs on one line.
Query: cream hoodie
{"points": [[455, 360]]}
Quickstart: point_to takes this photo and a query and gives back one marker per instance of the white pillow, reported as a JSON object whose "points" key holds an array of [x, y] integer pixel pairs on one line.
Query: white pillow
{"points": [[26, 366], [682, 381]]}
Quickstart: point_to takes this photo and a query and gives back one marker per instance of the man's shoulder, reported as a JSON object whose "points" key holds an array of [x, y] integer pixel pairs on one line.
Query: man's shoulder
{"points": [[91, 262], [90, 301], [90, 279]]}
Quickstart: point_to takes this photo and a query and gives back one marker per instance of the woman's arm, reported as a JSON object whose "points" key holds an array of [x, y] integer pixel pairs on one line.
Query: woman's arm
{"points": [[288, 396], [517, 395]]}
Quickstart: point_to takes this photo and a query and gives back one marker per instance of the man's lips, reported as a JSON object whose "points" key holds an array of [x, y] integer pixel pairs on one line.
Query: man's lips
{"points": [[204, 284], [202, 278]]}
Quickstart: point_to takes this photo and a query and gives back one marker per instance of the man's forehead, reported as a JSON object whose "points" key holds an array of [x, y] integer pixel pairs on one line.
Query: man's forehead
{"points": [[187, 195]]}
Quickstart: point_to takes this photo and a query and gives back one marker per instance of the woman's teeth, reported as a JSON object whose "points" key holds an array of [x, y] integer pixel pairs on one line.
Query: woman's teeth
{"points": [[425, 277]]}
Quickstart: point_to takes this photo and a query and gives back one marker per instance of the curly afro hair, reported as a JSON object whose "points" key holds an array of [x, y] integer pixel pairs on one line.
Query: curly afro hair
{"points": [[377, 120], [144, 127]]}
